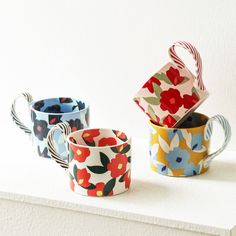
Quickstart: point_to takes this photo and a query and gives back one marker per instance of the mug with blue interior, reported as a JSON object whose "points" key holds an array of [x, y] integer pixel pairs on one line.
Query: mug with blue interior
{"points": [[185, 151], [48, 112]]}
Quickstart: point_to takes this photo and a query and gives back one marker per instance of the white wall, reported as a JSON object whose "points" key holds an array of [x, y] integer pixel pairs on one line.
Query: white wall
{"points": [[105, 50]]}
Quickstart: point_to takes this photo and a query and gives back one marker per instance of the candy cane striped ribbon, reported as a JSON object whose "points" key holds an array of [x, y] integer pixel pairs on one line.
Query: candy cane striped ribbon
{"points": [[64, 127], [15, 118], [192, 50]]}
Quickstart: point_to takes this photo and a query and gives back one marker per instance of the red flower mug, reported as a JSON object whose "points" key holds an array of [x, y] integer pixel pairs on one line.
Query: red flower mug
{"points": [[99, 160], [173, 93]]}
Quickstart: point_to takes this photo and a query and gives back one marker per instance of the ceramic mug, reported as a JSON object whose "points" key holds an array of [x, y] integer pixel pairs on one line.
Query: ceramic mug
{"points": [[184, 151], [48, 112], [99, 160], [173, 93]]}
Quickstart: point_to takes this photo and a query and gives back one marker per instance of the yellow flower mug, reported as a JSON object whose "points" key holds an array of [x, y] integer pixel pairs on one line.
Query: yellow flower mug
{"points": [[184, 151]]}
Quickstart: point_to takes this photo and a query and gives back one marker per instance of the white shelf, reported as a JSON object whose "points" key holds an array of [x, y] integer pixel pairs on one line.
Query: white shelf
{"points": [[204, 204]]}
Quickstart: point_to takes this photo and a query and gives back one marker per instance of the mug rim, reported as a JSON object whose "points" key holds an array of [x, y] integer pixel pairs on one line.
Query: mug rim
{"points": [[97, 147], [193, 109], [59, 113], [174, 128]]}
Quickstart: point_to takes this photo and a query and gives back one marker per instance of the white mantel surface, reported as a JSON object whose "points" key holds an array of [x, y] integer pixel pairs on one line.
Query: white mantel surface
{"points": [[204, 204]]}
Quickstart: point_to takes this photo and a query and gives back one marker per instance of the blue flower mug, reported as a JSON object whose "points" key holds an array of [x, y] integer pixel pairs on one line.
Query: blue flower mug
{"points": [[48, 112], [184, 151]]}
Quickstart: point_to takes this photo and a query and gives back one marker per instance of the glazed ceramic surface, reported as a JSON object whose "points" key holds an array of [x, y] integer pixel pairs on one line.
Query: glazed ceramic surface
{"points": [[173, 93], [185, 151], [48, 112], [99, 160]]}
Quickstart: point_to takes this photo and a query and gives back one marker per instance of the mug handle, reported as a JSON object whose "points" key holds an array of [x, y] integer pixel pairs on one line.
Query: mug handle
{"points": [[196, 56], [208, 132], [14, 115], [64, 127]]}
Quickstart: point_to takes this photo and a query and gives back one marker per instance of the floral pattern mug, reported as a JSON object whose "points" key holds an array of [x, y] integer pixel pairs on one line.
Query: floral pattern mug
{"points": [[48, 112], [184, 151], [173, 93], [99, 160]]}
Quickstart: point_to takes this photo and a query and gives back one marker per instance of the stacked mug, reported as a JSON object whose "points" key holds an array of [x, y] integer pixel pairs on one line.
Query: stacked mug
{"points": [[179, 137]]}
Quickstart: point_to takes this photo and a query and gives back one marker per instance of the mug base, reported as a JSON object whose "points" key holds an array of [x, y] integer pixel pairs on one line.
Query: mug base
{"points": [[95, 196], [93, 193], [177, 173]]}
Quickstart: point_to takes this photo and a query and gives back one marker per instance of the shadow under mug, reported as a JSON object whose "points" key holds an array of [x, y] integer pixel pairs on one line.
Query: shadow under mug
{"points": [[48, 112], [99, 160], [184, 151]]}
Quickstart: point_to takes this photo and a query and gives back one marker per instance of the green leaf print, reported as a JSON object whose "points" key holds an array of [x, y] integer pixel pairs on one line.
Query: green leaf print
{"points": [[157, 90], [151, 113], [75, 172], [152, 100], [163, 77], [109, 187]]}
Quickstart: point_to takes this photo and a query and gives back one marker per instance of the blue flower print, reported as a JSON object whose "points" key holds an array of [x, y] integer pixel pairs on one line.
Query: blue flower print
{"points": [[178, 158], [162, 169], [153, 149], [192, 169], [196, 143], [173, 132]]}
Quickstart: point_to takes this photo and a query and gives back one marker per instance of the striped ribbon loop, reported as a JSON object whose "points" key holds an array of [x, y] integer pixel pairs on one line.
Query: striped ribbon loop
{"points": [[208, 132], [14, 115], [64, 127], [196, 56]]}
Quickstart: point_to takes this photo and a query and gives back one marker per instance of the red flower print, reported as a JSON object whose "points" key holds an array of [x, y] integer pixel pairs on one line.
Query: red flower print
{"points": [[174, 76], [72, 140], [121, 147], [169, 121], [83, 178], [72, 185], [137, 102], [89, 135], [40, 129], [80, 153], [120, 135], [127, 179], [171, 100], [54, 119], [117, 166], [107, 142], [98, 191], [190, 100], [75, 125], [150, 82], [65, 100]]}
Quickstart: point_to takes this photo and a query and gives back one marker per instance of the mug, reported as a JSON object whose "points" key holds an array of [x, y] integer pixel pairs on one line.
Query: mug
{"points": [[184, 151], [173, 93], [48, 112], [99, 160]]}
